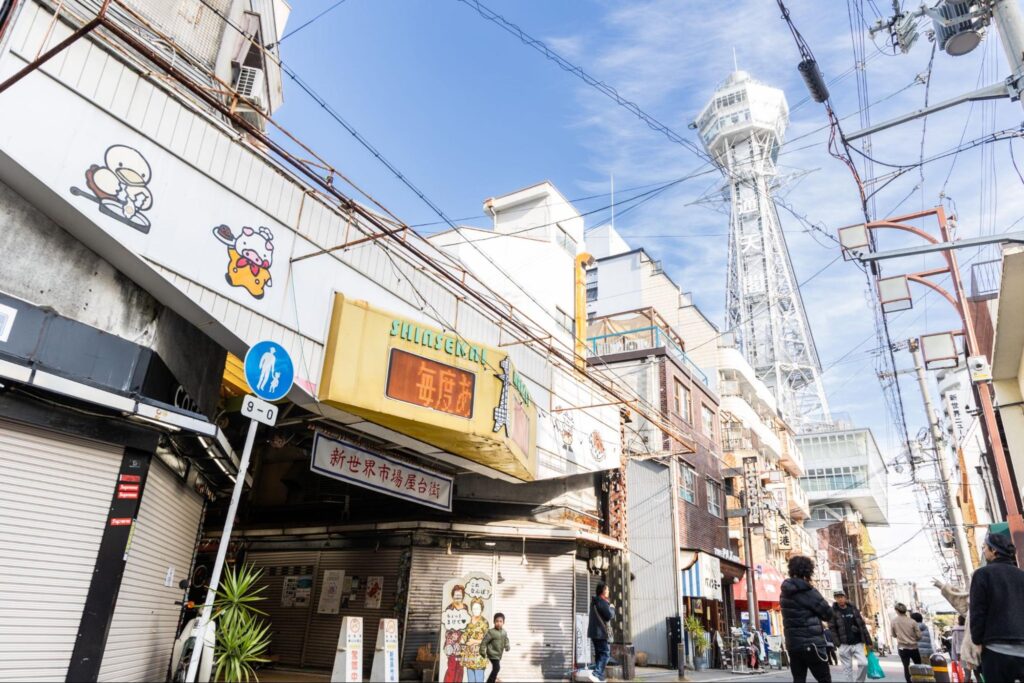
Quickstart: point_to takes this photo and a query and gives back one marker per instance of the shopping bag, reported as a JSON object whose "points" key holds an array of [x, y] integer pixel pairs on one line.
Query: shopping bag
{"points": [[874, 666]]}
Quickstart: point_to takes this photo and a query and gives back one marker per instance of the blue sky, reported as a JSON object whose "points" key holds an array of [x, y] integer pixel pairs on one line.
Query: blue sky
{"points": [[466, 111]]}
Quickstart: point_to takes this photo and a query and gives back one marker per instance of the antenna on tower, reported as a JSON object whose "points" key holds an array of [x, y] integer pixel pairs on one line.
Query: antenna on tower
{"points": [[735, 64], [612, 176]]}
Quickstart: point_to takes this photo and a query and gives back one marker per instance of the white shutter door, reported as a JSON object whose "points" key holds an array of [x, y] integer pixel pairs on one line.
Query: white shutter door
{"points": [[55, 493], [145, 619]]}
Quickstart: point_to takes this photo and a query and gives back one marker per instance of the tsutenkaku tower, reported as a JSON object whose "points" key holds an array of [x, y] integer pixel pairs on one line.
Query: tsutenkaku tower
{"points": [[742, 128]]}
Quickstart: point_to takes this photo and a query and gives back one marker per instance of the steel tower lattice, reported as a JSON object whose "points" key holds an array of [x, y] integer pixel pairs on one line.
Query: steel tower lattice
{"points": [[742, 128]]}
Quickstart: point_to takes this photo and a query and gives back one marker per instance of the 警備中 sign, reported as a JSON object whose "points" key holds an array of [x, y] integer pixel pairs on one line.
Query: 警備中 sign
{"points": [[354, 465]]}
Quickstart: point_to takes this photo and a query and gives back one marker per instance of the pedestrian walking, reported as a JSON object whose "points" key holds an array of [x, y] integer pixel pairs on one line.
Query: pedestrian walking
{"points": [[906, 633], [494, 645], [924, 637], [852, 637], [803, 610], [830, 643], [598, 630], [997, 611], [969, 656]]}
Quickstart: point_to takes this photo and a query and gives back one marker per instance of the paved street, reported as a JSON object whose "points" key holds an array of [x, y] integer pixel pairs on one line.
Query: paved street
{"points": [[891, 665]]}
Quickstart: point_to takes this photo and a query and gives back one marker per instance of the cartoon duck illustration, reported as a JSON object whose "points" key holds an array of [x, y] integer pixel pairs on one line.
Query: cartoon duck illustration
{"points": [[120, 186], [250, 255]]}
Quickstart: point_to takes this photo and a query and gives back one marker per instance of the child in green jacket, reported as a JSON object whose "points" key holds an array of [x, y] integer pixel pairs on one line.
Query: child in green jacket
{"points": [[494, 645]]}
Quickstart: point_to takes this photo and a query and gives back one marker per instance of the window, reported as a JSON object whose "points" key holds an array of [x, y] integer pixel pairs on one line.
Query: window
{"points": [[565, 241], [592, 292], [688, 484], [682, 398], [714, 490], [565, 321], [707, 420]]}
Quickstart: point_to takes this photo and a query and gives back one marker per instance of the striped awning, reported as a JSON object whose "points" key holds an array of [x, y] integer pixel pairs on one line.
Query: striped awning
{"points": [[702, 577]]}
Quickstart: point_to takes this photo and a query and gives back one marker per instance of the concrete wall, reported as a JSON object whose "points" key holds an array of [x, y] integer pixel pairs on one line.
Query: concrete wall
{"points": [[45, 265]]}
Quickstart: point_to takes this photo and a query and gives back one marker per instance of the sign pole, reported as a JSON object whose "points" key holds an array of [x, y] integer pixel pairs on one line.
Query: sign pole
{"points": [[199, 632]]}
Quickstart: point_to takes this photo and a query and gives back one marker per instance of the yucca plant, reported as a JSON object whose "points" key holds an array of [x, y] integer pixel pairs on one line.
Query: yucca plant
{"points": [[242, 637]]}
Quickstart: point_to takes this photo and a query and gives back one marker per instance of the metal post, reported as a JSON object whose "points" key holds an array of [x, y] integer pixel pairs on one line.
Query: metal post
{"points": [[673, 496], [199, 632], [1010, 24], [983, 391], [938, 442]]}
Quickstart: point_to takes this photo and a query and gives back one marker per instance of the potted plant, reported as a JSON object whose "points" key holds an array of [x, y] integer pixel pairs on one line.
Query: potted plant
{"points": [[701, 642], [242, 637]]}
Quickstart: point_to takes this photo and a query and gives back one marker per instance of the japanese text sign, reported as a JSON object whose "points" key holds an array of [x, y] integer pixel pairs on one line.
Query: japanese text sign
{"points": [[354, 465]]}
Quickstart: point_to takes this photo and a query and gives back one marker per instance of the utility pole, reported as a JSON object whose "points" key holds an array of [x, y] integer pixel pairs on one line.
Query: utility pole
{"points": [[748, 541], [677, 570], [1010, 24], [938, 443]]}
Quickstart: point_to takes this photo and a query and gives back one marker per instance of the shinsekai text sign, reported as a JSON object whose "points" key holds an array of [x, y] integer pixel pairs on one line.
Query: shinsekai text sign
{"points": [[433, 385], [354, 465]]}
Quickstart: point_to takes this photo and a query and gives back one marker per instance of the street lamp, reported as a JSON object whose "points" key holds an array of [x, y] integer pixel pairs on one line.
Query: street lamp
{"points": [[939, 351], [894, 295]]}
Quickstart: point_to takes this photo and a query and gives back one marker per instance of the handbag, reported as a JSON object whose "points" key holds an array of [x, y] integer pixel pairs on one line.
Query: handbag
{"points": [[874, 667]]}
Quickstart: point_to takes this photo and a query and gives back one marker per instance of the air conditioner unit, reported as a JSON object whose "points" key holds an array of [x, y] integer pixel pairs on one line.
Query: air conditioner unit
{"points": [[249, 84]]}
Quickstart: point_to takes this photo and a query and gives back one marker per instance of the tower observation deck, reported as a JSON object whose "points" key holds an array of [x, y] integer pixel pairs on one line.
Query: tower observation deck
{"points": [[742, 128]]}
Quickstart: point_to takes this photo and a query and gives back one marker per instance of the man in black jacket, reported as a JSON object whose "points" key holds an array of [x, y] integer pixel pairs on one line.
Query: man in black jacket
{"points": [[803, 610], [598, 630], [852, 635], [997, 611]]}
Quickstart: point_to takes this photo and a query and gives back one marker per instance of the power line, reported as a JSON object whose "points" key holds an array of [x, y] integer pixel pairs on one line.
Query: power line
{"points": [[291, 33]]}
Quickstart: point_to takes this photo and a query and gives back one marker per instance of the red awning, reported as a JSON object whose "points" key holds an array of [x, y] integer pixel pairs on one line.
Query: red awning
{"points": [[768, 584]]}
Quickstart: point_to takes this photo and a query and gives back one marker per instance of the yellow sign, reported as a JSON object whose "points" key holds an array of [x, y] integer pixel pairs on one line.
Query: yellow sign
{"points": [[432, 385]]}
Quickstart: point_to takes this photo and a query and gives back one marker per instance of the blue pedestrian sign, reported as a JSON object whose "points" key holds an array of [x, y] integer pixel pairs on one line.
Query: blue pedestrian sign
{"points": [[269, 370]]}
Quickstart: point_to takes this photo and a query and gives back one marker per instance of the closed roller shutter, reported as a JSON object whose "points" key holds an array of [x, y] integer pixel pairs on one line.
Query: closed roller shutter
{"points": [[431, 568], [145, 621], [536, 598], [55, 493], [304, 637], [322, 634], [287, 624]]}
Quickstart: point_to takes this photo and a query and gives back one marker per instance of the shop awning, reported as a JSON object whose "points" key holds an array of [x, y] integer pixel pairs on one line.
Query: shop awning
{"points": [[768, 584]]}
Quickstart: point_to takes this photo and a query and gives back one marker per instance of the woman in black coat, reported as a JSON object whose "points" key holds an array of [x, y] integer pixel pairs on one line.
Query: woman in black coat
{"points": [[803, 610]]}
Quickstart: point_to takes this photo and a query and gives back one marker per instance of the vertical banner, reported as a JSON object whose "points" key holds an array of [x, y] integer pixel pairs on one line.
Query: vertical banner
{"points": [[330, 592], [374, 591], [466, 610], [385, 655], [752, 490], [348, 658]]}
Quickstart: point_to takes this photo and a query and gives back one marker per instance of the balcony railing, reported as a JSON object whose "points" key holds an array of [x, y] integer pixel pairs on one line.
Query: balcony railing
{"points": [[642, 339]]}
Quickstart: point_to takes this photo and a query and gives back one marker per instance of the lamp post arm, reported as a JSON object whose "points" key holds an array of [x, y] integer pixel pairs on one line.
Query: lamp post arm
{"points": [[931, 285], [936, 246]]}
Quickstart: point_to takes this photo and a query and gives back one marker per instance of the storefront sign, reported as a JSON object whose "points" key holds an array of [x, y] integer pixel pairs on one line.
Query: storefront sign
{"points": [[348, 658], [385, 655], [752, 490], [703, 578], [779, 497], [727, 554], [350, 463], [430, 384], [330, 592], [785, 539], [465, 619], [582, 641]]}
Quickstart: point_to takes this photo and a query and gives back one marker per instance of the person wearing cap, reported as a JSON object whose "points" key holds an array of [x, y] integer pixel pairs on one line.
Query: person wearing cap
{"points": [[906, 633], [851, 634], [997, 611]]}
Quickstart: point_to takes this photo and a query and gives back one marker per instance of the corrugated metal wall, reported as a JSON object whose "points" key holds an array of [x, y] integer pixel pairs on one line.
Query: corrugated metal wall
{"points": [[536, 598], [145, 621], [55, 493], [652, 591], [300, 635]]}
